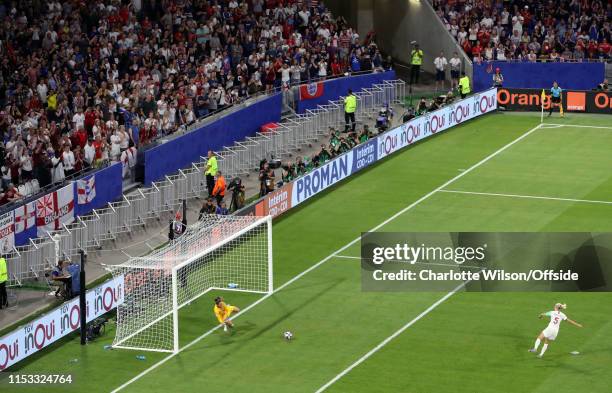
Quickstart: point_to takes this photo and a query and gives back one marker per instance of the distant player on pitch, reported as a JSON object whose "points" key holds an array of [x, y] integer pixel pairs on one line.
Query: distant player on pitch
{"points": [[556, 99], [551, 331], [223, 312]]}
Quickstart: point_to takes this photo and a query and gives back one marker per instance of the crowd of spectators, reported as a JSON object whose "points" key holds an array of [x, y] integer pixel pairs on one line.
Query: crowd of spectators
{"points": [[87, 82], [529, 30]]}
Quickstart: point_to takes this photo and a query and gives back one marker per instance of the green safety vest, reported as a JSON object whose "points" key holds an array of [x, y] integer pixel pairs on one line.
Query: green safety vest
{"points": [[464, 82], [417, 57], [3, 271], [212, 161], [350, 104]]}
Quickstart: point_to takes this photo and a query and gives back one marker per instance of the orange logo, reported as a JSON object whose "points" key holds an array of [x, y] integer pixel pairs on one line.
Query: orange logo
{"points": [[576, 101]]}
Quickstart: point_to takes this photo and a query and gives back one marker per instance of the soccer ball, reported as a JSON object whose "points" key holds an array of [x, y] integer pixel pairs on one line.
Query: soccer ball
{"points": [[288, 335]]}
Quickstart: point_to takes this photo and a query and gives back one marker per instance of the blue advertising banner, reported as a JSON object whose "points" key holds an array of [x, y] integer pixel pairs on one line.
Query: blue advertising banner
{"points": [[178, 153], [321, 178], [334, 88], [96, 190], [571, 76], [365, 155]]}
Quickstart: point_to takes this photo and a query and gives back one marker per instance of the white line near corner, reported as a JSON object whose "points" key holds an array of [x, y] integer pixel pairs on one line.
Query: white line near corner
{"points": [[324, 260], [576, 125], [546, 198]]}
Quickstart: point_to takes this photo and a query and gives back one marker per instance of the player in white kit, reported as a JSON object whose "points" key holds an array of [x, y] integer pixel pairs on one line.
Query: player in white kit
{"points": [[551, 331]]}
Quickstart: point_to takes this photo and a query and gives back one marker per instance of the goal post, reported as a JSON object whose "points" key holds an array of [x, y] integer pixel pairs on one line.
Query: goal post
{"points": [[217, 253]]}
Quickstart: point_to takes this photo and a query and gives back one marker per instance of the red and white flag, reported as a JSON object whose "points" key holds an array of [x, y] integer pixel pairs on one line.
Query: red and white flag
{"points": [[55, 209], [86, 190], [7, 232], [25, 217], [311, 90]]}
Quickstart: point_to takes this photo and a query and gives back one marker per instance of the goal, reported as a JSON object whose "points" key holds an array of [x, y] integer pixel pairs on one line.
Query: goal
{"points": [[217, 253]]}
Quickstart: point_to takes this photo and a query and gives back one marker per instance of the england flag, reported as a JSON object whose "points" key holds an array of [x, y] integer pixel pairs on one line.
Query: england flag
{"points": [[86, 190], [55, 209]]}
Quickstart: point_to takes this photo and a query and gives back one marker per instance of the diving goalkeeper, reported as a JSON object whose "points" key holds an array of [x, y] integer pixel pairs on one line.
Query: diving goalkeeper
{"points": [[223, 312]]}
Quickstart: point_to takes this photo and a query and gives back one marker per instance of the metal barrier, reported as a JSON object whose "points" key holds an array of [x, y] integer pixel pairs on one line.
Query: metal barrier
{"points": [[138, 208]]}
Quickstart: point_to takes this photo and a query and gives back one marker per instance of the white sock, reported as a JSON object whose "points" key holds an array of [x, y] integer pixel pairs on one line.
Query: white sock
{"points": [[224, 327], [543, 349], [537, 344]]}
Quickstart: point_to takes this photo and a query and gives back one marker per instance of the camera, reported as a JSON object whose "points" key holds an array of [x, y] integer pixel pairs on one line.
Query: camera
{"points": [[383, 121]]}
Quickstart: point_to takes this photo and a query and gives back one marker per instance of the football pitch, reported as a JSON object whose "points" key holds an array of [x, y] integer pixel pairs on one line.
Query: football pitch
{"points": [[501, 172]]}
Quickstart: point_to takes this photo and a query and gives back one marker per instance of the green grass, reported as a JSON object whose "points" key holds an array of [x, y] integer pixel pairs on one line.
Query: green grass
{"points": [[473, 342]]}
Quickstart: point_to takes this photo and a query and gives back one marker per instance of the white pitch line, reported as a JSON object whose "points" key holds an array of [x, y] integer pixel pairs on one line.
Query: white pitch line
{"points": [[388, 339], [330, 256], [577, 125], [528, 197]]}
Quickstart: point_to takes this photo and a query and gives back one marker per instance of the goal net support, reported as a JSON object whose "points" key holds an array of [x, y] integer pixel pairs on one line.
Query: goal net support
{"points": [[216, 253]]}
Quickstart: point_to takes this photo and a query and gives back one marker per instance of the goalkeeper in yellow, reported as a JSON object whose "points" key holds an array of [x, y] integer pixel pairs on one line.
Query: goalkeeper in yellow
{"points": [[223, 311]]}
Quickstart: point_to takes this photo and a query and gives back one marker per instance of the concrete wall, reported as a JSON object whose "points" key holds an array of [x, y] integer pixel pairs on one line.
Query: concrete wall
{"points": [[397, 23]]}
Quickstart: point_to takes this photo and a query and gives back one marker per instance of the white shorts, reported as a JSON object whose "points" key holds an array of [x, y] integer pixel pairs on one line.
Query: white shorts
{"points": [[550, 333]]}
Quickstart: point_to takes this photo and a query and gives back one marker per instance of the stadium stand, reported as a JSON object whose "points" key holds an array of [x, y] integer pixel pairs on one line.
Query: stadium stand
{"points": [[525, 30], [83, 82]]}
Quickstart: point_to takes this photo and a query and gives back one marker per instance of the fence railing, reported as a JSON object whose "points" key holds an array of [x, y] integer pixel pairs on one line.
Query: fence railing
{"points": [[153, 204]]}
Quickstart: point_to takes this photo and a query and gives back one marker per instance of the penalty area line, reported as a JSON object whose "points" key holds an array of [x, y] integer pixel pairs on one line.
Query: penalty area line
{"points": [[390, 338], [331, 256]]}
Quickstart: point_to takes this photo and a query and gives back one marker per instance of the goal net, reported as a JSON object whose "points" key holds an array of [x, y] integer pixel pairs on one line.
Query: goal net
{"points": [[218, 252]]}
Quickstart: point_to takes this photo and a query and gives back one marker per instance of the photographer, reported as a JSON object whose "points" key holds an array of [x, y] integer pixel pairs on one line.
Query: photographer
{"points": [[364, 135], [344, 146], [237, 190], [288, 173], [266, 179], [334, 143], [322, 157], [421, 106], [207, 208], [300, 167]]}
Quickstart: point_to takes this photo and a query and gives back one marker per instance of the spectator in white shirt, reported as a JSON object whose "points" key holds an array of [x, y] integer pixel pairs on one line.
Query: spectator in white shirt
{"points": [[455, 67], [78, 120], [115, 149], [57, 167], [89, 153], [440, 62], [68, 161]]}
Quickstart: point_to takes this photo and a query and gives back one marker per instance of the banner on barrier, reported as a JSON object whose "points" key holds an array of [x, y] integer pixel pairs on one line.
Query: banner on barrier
{"points": [[40, 333], [319, 179], [573, 101], [86, 190], [25, 223], [275, 203], [7, 232], [432, 123], [311, 90], [55, 209], [312, 95]]}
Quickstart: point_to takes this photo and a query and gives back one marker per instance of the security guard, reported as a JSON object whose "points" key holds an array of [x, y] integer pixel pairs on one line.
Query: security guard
{"points": [[416, 59], [211, 171], [464, 85], [350, 106], [3, 280]]}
